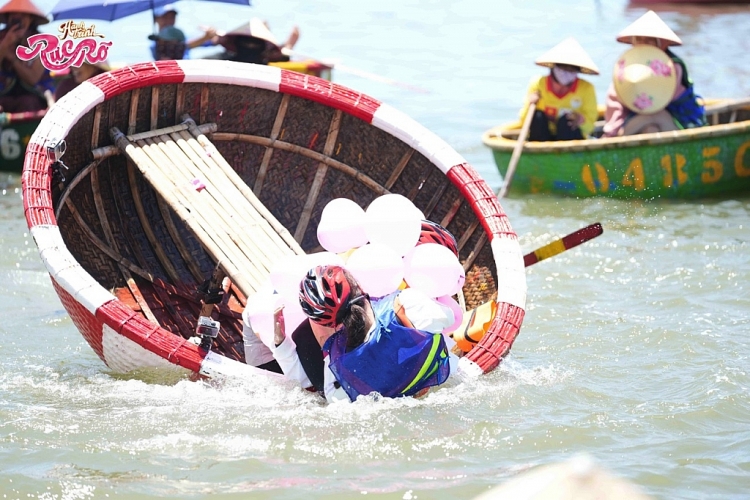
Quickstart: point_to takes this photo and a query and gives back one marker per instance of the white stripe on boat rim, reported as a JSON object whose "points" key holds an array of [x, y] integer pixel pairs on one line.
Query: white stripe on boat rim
{"points": [[123, 355], [231, 73], [511, 287], [215, 365], [426, 142], [467, 369], [66, 112], [66, 271]]}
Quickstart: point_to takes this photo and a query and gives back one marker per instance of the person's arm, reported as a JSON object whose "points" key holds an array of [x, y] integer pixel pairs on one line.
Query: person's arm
{"points": [[209, 35], [422, 312], [614, 115], [532, 97], [285, 353], [292, 40], [29, 72]]}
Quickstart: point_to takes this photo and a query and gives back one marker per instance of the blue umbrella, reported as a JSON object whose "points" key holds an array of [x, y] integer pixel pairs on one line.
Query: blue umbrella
{"points": [[109, 10]]}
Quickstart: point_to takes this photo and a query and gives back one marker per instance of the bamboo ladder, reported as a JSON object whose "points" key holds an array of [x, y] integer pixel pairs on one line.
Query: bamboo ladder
{"points": [[231, 223]]}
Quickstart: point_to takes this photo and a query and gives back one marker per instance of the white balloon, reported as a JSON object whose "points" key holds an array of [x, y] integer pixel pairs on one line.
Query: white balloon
{"points": [[377, 268], [394, 221], [433, 269], [341, 226], [259, 312]]}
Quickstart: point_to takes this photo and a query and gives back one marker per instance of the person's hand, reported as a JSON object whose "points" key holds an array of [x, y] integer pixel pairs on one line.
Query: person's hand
{"points": [[534, 97], [293, 37], [278, 327], [7, 46], [575, 120]]}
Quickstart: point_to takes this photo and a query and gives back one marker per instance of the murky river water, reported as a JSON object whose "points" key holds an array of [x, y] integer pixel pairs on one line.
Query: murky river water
{"points": [[635, 347]]}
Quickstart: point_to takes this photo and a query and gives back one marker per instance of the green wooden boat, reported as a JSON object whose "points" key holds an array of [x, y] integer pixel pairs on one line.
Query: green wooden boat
{"points": [[710, 161], [15, 132]]}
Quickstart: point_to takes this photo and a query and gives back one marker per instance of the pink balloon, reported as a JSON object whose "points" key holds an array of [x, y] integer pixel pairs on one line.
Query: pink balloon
{"points": [[287, 272], [377, 268], [341, 226], [259, 312], [458, 313], [324, 259], [433, 269], [293, 313]]}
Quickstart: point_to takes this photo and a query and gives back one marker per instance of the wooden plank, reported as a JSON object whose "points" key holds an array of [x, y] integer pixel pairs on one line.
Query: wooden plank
{"points": [[320, 175], [134, 96], [165, 261], [109, 236], [280, 114], [452, 211], [399, 169], [95, 127], [203, 113], [154, 106], [179, 101], [230, 173], [308, 153], [190, 261]]}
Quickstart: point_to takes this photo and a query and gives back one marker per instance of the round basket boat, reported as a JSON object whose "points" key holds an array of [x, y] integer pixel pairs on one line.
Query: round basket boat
{"points": [[126, 256]]}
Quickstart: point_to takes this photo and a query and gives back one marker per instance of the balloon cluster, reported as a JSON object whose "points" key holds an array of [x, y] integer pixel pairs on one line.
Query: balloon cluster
{"points": [[384, 247]]}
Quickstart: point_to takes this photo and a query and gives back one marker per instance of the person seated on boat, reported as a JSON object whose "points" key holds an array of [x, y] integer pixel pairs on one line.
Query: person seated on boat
{"points": [[391, 345], [169, 42], [683, 111], [254, 43], [565, 104], [79, 75], [24, 86]]}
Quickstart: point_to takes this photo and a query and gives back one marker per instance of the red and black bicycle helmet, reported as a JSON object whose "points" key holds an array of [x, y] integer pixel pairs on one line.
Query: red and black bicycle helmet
{"points": [[323, 292], [432, 232]]}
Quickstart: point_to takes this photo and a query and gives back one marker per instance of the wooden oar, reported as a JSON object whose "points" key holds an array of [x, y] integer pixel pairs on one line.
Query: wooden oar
{"points": [[508, 177], [564, 243]]}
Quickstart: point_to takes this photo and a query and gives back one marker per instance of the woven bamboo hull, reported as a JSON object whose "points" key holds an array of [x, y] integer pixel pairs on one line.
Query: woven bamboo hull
{"points": [[15, 132], [711, 161], [117, 255]]}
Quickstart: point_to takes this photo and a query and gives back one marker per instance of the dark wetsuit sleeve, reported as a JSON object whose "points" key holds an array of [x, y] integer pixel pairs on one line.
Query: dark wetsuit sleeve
{"points": [[310, 354]]}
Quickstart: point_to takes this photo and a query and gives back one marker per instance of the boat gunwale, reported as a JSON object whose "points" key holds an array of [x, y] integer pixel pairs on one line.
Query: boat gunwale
{"points": [[493, 139]]}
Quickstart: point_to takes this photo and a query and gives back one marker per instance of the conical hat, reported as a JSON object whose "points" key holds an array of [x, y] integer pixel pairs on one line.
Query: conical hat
{"points": [[576, 479], [645, 79], [570, 52], [255, 28], [24, 7], [649, 25]]}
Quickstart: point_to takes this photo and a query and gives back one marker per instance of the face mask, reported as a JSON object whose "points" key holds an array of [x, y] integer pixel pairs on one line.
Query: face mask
{"points": [[564, 77]]}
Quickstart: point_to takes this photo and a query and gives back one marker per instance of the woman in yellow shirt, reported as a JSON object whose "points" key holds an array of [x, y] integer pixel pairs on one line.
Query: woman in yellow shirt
{"points": [[565, 104]]}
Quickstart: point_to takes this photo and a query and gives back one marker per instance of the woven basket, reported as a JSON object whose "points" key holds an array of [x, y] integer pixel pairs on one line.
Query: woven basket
{"points": [[126, 267]]}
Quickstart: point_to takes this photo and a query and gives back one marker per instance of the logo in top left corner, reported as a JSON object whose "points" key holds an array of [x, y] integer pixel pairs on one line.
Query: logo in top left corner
{"points": [[76, 44]]}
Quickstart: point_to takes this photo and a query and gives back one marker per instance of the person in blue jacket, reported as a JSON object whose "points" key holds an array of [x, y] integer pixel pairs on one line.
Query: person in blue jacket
{"points": [[169, 42], [383, 345]]}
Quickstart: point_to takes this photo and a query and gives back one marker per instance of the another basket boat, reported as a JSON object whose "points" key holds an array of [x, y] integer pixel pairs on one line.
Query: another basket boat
{"points": [[15, 132], [126, 260], [702, 162]]}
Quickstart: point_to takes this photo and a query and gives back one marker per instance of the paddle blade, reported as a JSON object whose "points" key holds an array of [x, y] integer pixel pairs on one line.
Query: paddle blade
{"points": [[564, 243]]}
